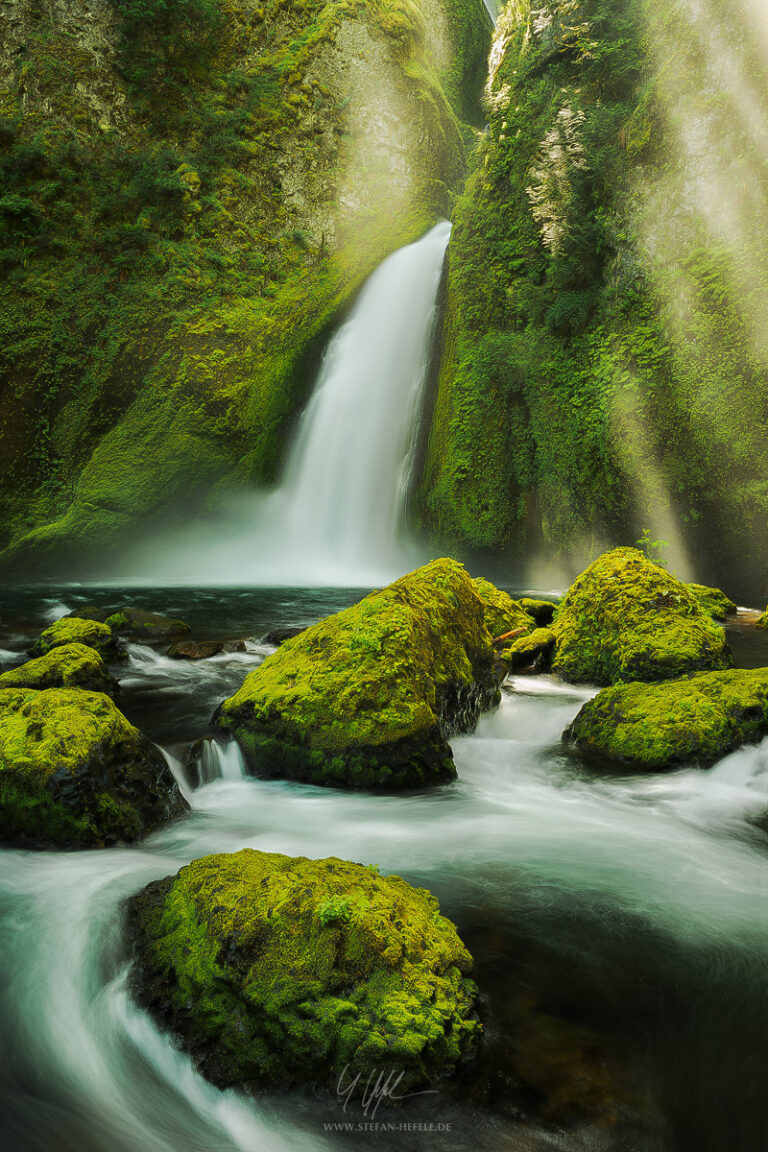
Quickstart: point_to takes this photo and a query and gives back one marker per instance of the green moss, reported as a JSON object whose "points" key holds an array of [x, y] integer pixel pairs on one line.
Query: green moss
{"points": [[541, 610], [71, 630], [698, 719], [762, 621], [714, 602], [65, 666], [367, 697], [280, 970], [625, 618], [525, 650], [74, 772], [502, 613]]}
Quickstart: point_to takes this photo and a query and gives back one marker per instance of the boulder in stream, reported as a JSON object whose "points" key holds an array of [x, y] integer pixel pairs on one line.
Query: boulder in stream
{"points": [[697, 719], [278, 970], [66, 666], [368, 697], [71, 630], [135, 624], [626, 618], [75, 773], [502, 613]]}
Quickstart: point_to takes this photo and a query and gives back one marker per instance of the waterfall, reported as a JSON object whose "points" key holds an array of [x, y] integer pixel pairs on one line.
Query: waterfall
{"points": [[336, 514]]}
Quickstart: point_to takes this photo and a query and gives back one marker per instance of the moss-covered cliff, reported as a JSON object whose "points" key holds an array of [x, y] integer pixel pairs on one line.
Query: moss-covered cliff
{"points": [[189, 194], [605, 362]]}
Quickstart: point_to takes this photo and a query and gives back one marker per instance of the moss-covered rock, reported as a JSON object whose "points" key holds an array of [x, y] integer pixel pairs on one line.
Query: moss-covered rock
{"points": [[653, 726], [502, 613], [368, 697], [714, 602], [762, 621], [280, 970], [541, 610], [626, 618], [71, 630], [135, 624], [75, 773], [532, 650], [66, 666]]}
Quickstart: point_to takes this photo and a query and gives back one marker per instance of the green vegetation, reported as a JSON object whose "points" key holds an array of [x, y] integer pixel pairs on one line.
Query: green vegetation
{"points": [[75, 773], [368, 697], [239, 954], [714, 602], [174, 245], [604, 357], [67, 666], [71, 630], [527, 650], [698, 719], [625, 618], [501, 613]]}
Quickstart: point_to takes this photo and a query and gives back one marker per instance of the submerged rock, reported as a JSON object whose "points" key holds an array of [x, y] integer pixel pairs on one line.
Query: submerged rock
{"points": [[369, 697], [72, 630], [67, 666], [626, 618], [653, 726], [502, 613], [134, 624], [714, 602], [281, 970], [75, 773]]}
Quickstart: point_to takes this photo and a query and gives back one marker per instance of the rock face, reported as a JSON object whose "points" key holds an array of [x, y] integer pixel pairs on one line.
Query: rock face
{"points": [[67, 666], [502, 613], [696, 719], [75, 773], [90, 633], [368, 697], [625, 618], [280, 970]]}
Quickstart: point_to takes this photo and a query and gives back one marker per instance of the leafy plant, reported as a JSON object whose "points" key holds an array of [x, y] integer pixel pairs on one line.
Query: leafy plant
{"points": [[336, 910], [652, 548]]}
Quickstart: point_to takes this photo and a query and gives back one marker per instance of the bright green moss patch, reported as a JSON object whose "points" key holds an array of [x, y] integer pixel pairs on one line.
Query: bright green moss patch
{"points": [[368, 697], [714, 602], [502, 613], [696, 719], [762, 621], [67, 666], [526, 650], [71, 630], [625, 618], [74, 772], [280, 970], [541, 610]]}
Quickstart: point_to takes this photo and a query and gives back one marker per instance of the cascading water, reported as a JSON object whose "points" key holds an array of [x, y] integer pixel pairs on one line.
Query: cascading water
{"points": [[335, 517]]}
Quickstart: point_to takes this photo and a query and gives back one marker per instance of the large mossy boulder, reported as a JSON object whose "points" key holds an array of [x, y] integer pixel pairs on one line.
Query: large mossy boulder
{"points": [[695, 719], [71, 630], [68, 666], [626, 618], [502, 613], [368, 697], [75, 773], [276, 970]]}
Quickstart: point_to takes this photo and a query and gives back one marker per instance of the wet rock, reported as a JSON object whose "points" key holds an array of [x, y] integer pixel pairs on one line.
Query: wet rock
{"points": [[195, 649], [66, 666], [276, 970], [626, 618], [541, 610], [134, 624], [368, 697], [532, 652], [697, 719], [72, 630], [714, 602], [278, 636], [75, 773]]}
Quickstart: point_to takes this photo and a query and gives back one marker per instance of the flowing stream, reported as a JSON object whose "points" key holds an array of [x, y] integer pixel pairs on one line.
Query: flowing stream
{"points": [[633, 908]]}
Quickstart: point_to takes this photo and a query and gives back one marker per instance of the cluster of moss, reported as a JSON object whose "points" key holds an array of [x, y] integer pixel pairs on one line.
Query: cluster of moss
{"points": [[280, 970], [626, 618], [502, 614], [578, 397], [64, 666], [532, 651], [698, 719], [75, 773], [368, 697], [71, 630], [714, 602], [163, 300]]}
